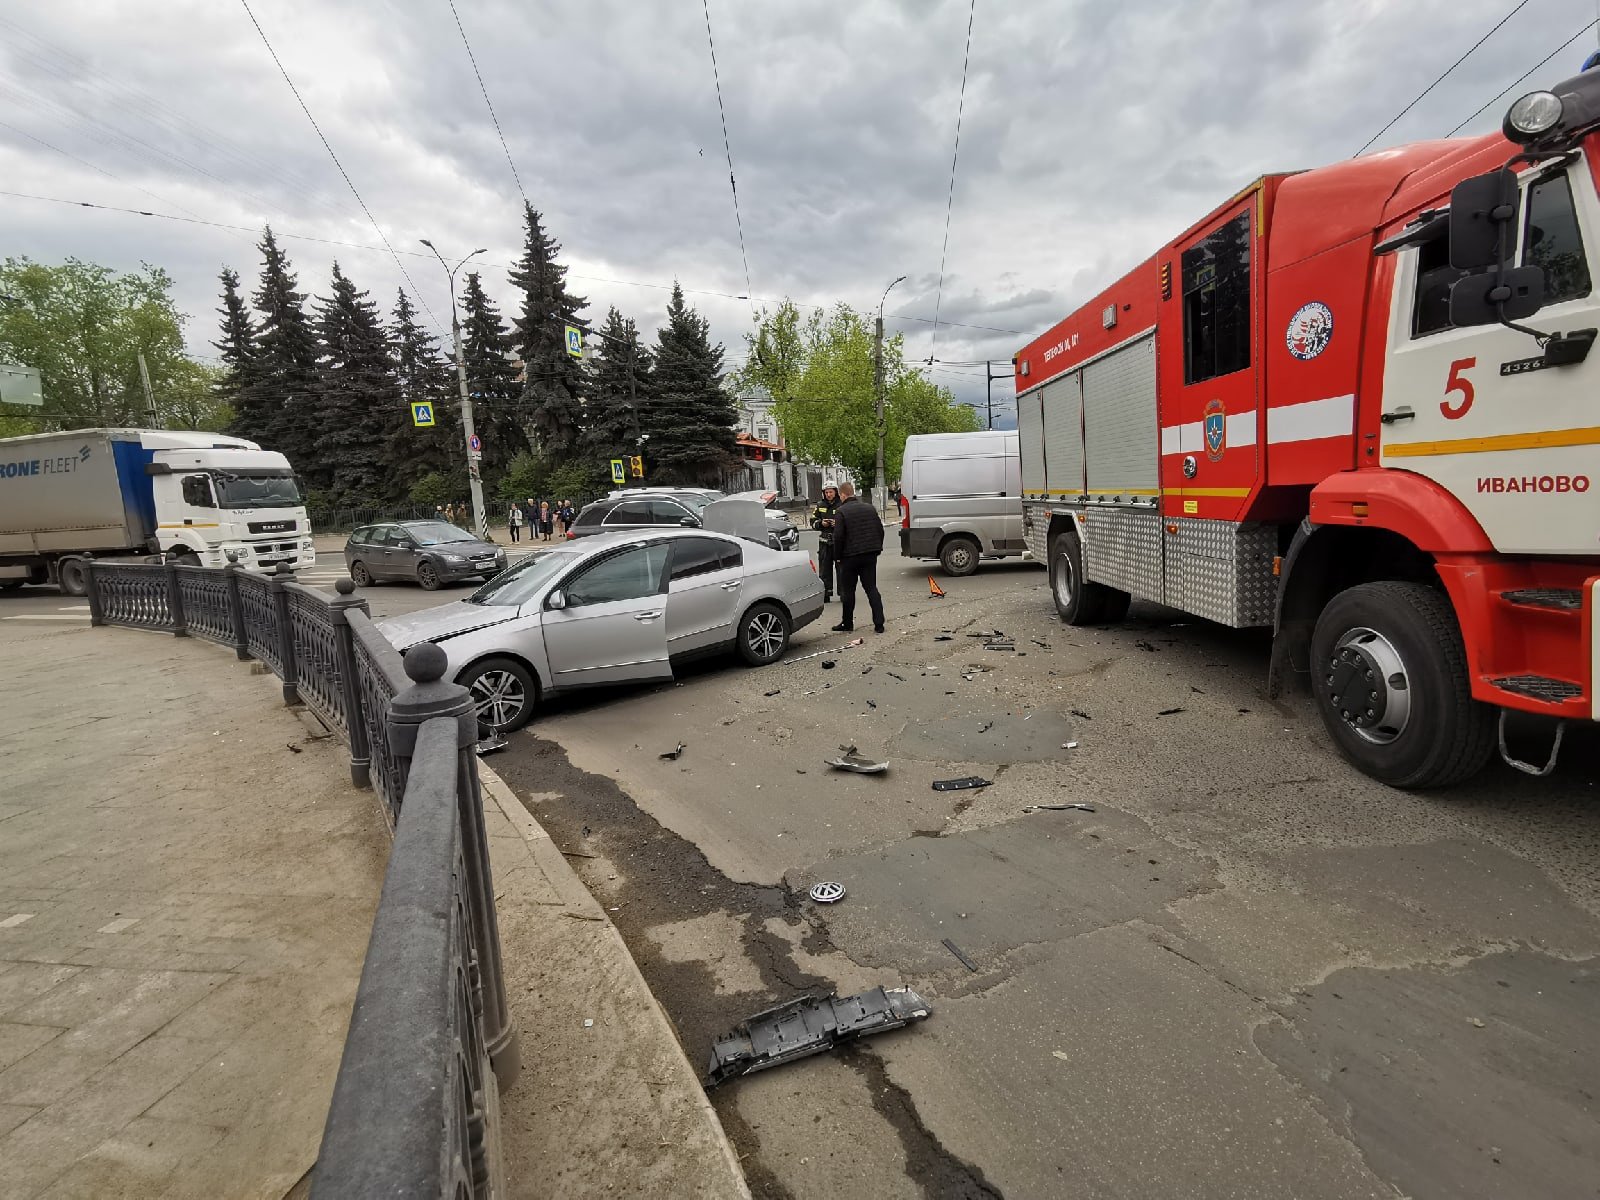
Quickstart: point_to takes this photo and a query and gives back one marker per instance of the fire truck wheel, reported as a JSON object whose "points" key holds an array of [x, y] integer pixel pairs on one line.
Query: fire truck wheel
{"points": [[1389, 672], [959, 556], [1079, 602]]}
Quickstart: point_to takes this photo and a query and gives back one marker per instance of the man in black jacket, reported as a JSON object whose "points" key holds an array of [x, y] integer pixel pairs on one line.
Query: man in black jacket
{"points": [[857, 542], [822, 522]]}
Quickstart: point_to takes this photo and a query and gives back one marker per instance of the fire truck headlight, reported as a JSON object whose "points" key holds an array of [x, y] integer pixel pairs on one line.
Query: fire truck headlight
{"points": [[1533, 116]]}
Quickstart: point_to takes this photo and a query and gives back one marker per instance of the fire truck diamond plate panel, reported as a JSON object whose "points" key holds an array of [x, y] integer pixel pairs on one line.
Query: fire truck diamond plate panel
{"points": [[1222, 570], [1119, 417], [1122, 548]]}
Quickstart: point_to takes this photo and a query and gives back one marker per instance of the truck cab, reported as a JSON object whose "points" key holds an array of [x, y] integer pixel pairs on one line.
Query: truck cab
{"points": [[228, 503]]}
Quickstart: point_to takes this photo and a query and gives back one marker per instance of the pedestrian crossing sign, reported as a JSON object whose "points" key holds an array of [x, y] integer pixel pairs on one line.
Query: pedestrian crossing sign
{"points": [[574, 341], [421, 413], [618, 474]]}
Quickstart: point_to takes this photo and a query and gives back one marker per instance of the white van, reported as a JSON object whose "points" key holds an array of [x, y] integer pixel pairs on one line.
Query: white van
{"points": [[963, 494]]}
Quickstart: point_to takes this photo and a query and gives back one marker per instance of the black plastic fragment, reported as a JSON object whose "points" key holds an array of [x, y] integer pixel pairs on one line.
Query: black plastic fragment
{"points": [[810, 1025], [962, 784]]}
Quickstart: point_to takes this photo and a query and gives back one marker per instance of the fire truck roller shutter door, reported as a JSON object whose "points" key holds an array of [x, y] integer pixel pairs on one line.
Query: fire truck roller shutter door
{"points": [[1062, 401], [1030, 431], [1122, 532]]}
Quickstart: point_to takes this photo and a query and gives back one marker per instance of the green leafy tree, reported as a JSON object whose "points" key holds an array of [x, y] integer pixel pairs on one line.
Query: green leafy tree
{"points": [[191, 397], [83, 327], [491, 379], [278, 405], [553, 379], [690, 417], [525, 475], [579, 480], [360, 398], [820, 377], [423, 375], [619, 385]]}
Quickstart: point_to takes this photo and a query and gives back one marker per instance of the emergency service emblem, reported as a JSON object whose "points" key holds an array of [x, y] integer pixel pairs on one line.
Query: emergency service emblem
{"points": [[1215, 422], [1310, 330]]}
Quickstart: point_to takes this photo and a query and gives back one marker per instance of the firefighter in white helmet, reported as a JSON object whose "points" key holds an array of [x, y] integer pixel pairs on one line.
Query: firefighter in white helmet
{"points": [[822, 522]]}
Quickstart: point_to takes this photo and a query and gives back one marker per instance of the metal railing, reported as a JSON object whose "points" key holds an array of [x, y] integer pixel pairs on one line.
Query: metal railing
{"points": [[412, 1111]]}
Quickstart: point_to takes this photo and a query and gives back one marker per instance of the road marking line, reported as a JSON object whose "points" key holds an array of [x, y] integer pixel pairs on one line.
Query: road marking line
{"points": [[118, 926], [44, 617], [15, 919], [73, 608]]}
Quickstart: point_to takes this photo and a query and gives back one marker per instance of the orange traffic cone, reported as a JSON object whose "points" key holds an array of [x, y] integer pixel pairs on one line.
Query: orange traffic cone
{"points": [[935, 592]]}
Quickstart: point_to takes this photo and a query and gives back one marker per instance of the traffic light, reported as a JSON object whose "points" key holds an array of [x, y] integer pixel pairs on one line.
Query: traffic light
{"points": [[636, 465]]}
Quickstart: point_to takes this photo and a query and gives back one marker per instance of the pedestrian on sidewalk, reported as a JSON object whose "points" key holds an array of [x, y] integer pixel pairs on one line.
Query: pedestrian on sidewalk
{"points": [[568, 515], [546, 521], [857, 542], [822, 522], [514, 522]]}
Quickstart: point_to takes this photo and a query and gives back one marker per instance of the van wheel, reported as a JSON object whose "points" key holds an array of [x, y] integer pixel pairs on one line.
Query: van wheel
{"points": [[1079, 602], [72, 577], [959, 556], [1389, 672]]}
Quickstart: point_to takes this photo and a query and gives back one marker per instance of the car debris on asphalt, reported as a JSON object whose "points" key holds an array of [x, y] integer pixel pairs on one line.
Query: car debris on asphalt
{"points": [[1170, 712], [943, 637], [810, 1025], [959, 953], [961, 784], [772, 693], [674, 752], [1030, 808], [820, 653], [827, 892], [849, 760], [488, 745], [828, 664]]}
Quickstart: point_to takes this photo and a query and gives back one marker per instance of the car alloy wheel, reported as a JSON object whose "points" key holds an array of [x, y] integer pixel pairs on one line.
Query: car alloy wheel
{"points": [[766, 634], [428, 576], [360, 576], [500, 697]]}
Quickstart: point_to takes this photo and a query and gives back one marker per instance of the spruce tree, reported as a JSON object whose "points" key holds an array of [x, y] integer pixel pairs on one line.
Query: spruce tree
{"points": [[491, 379], [284, 381], [360, 397], [424, 376], [554, 379], [238, 348], [619, 381], [690, 418]]}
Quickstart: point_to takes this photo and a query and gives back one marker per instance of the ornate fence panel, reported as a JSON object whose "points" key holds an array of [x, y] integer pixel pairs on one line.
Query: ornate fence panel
{"points": [[206, 608], [317, 676], [379, 676], [261, 621], [131, 594]]}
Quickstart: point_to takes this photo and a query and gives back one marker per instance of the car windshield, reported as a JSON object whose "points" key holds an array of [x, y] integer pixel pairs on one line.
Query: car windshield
{"points": [[257, 491], [522, 582], [436, 533]]}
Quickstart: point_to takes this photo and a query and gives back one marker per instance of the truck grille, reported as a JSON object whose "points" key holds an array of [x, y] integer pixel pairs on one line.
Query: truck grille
{"points": [[271, 526]]}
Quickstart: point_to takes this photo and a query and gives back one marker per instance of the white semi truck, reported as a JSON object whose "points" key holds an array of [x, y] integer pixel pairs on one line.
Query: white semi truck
{"points": [[201, 498]]}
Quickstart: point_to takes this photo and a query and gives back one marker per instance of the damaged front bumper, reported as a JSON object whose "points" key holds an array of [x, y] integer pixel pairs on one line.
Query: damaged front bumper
{"points": [[807, 1026]]}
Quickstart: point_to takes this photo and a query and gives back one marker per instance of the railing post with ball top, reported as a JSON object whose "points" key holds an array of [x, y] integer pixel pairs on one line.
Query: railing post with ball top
{"points": [[241, 636], [432, 695], [285, 623], [344, 657], [180, 627]]}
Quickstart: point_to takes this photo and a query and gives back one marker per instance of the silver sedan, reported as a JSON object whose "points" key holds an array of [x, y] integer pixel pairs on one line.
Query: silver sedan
{"points": [[614, 608]]}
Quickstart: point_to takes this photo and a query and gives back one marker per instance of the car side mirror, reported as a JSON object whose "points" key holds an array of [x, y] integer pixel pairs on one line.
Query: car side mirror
{"points": [[556, 599], [1481, 210], [406, 545], [689, 523]]}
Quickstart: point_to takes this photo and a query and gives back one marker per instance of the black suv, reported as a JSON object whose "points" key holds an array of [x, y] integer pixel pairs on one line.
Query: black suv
{"points": [[638, 512]]}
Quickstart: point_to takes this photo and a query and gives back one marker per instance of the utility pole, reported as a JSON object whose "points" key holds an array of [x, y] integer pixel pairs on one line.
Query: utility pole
{"points": [[149, 398], [480, 519], [988, 386], [879, 486]]}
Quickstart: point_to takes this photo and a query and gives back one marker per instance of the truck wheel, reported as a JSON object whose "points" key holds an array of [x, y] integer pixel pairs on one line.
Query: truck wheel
{"points": [[1389, 672], [1079, 602], [959, 556], [72, 577]]}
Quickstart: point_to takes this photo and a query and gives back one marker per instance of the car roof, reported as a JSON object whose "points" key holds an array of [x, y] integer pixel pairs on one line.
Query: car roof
{"points": [[653, 534]]}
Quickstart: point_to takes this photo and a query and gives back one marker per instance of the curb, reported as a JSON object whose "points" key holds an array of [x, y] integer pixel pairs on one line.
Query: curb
{"points": [[578, 898]]}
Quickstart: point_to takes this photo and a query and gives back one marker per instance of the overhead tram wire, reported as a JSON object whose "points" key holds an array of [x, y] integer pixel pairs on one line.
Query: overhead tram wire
{"points": [[1521, 78], [955, 157], [727, 148], [487, 102], [1521, 4], [101, 170], [329, 148]]}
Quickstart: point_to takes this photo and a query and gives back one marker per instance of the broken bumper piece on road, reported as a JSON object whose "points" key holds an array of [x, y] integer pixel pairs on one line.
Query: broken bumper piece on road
{"points": [[807, 1026]]}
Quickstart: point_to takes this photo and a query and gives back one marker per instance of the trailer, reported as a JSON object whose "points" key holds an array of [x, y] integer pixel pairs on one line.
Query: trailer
{"points": [[200, 498], [1321, 408]]}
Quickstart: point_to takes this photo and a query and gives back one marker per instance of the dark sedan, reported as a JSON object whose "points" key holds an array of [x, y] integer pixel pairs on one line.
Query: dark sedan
{"points": [[426, 552]]}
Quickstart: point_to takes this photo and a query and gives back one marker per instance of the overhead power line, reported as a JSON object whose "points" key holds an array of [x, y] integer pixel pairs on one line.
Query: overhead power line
{"points": [[86, 163], [727, 148], [1524, 75], [950, 324], [1521, 4], [487, 102], [950, 200], [329, 148]]}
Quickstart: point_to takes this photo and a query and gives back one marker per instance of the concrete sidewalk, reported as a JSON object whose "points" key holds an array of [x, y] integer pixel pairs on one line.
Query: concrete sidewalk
{"points": [[187, 883]]}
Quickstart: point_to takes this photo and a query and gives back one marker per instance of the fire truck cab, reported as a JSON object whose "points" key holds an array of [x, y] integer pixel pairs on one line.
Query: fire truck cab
{"points": [[1355, 404]]}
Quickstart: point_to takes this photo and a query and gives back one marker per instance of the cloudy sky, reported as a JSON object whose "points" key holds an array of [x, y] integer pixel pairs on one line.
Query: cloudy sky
{"points": [[1092, 131]]}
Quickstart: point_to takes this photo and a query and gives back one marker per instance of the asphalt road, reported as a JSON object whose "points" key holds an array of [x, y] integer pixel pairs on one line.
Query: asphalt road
{"points": [[1249, 972]]}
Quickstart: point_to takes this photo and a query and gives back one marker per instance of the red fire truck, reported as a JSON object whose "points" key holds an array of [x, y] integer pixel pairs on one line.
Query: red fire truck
{"points": [[1354, 404]]}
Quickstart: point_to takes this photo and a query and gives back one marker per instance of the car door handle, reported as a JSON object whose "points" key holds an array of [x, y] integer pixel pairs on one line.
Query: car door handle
{"points": [[647, 616], [730, 585]]}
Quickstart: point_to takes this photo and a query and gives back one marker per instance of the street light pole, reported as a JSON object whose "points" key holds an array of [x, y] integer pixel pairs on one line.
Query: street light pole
{"points": [[480, 518], [878, 483]]}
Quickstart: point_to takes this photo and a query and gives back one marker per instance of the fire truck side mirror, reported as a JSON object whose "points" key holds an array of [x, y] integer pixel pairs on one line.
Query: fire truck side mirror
{"points": [[1482, 209], [1494, 296]]}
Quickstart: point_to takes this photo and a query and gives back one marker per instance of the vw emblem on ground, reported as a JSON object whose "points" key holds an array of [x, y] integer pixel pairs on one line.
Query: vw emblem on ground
{"points": [[827, 893]]}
